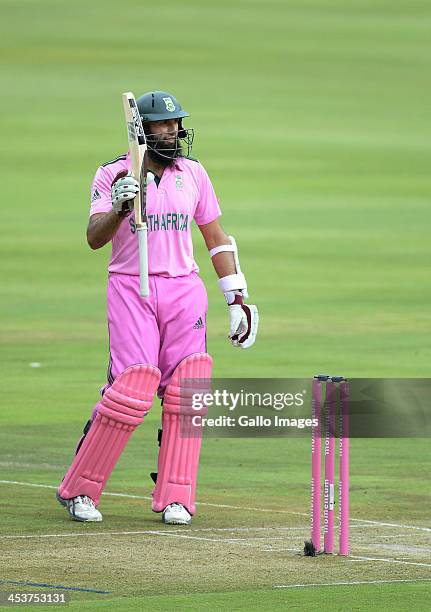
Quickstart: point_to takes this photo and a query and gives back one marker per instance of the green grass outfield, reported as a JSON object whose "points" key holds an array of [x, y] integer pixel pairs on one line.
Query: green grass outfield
{"points": [[312, 119]]}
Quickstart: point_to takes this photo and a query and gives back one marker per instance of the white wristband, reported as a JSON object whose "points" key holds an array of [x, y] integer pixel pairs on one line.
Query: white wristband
{"points": [[233, 282]]}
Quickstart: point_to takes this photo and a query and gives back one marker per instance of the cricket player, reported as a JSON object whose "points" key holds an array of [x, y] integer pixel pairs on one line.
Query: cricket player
{"points": [[155, 341]]}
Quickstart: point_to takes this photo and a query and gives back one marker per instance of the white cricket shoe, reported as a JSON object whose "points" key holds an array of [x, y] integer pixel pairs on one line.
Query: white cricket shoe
{"points": [[81, 508], [176, 514]]}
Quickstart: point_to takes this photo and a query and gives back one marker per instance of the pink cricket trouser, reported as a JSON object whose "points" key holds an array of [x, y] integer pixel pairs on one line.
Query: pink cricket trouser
{"points": [[160, 330]]}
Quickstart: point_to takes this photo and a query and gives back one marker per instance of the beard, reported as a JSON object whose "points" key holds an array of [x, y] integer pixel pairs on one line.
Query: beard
{"points": [[163, 152]]}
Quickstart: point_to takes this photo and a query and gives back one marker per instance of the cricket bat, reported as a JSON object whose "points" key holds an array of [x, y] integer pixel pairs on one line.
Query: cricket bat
{"points": [[138, 150]]}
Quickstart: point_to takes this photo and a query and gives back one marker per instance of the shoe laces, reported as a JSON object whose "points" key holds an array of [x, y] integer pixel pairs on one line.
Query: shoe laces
{"points": [[178, 506], [87, 500]]}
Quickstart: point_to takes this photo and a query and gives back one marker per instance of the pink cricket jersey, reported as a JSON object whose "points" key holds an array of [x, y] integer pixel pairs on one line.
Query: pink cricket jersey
{"points": [[184, 194]]}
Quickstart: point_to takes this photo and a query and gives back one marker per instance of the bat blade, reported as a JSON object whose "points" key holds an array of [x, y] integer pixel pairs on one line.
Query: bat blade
{"points": [[138, 150]]}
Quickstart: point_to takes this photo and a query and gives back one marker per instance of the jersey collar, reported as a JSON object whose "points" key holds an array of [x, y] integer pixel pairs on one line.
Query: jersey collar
{"points": [[178, 165]]}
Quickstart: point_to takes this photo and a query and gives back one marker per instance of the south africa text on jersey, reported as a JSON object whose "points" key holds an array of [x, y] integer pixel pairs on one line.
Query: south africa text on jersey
{"points": [[164, 221]]}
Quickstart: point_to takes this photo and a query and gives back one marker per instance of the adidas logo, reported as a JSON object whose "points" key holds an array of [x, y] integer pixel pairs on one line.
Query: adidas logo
{"points": [[96, 195], [199, 324]]}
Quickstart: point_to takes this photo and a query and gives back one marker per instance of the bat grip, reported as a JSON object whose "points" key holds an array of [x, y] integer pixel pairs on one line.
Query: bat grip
{"points": [[143, 261]]}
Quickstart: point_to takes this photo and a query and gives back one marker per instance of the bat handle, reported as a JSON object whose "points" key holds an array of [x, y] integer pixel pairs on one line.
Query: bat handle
{"points": [[143, 261]]}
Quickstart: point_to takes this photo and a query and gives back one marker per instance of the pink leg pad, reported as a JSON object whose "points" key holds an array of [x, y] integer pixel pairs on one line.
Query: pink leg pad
{"points": [[181, 439], [120, 411]]}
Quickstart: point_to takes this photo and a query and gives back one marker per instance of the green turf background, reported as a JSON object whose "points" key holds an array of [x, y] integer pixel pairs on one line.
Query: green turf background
{"points": [[312, 119]]}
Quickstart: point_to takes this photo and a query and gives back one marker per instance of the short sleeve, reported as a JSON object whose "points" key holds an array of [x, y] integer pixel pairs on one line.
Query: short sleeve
{"points": [[101, 192], [208, 208]]}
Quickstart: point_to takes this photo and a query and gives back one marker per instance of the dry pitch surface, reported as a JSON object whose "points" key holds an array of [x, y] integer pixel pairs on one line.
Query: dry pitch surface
{"points": [[261, 549]]}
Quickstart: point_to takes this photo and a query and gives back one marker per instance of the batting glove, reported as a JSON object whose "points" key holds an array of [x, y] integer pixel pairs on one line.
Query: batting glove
{"points": [[123, 192], [244, 320]]}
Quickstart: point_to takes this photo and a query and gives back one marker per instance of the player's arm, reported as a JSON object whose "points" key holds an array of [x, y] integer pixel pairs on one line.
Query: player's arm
{"points": [[224, 254], [214, 236], [102, 226]]}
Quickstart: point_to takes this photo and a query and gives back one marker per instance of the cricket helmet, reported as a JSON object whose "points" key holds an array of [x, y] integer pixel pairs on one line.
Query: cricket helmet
{"points": [[160, 106]]}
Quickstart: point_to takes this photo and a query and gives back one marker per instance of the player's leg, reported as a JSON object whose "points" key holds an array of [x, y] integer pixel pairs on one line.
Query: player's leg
{"points": [[134, 339], [121, 410], [182, 356], [182, 309], [181, 440]]}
